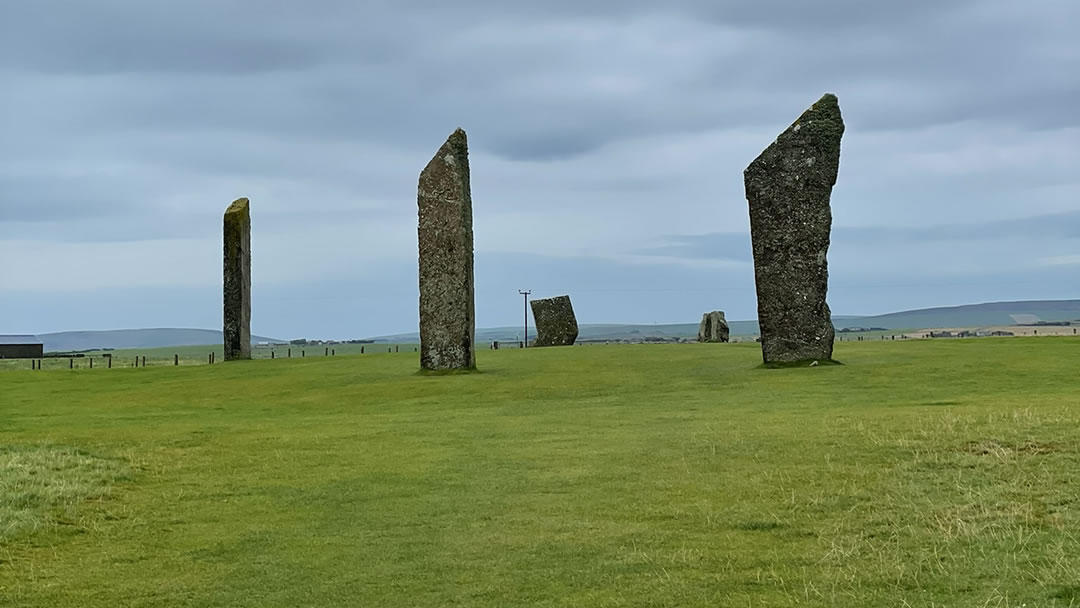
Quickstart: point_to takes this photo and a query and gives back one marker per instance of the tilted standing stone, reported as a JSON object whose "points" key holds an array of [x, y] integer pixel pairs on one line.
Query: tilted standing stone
{"points": [[556, 324], [788, 188], [237, 281], [447, 308], [713, 327]]}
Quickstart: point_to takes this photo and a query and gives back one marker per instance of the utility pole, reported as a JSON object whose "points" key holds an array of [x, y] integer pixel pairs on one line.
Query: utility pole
{"points": [[526, 293]]}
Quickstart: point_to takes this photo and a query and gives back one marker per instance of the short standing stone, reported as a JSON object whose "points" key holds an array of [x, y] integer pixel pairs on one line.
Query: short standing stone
{"points": [[445, 236], [788, 188], [237, 281], [556, 324], [713, 327]]}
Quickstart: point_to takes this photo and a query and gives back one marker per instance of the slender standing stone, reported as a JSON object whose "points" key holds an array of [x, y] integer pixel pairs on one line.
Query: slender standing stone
{"points": [[788, 188], [713, 327], [237, 281], [556, 324], [445, 237]]}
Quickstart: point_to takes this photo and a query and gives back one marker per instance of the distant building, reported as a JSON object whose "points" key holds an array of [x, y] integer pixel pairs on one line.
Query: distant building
{"points": [[21, 347]]}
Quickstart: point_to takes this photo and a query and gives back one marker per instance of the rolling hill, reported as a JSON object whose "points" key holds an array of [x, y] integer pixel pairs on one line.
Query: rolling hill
{"points": [[134, 338], [971, 315]]}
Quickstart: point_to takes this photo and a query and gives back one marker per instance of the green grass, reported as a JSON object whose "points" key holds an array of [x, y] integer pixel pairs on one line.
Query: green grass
{"points": [[920, 473]]}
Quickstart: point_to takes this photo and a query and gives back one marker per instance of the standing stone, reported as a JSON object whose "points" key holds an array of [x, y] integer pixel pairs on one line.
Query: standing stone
{"points": [[713, 327], [556, 324], [237, 281], [447, 308], [788, 188]]}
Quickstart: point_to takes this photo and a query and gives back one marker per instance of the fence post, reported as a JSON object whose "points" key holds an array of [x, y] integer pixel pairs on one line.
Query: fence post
{"points": [[290, 353], [361, 350], [176, 359], [33, 363], [209, 359], [144, 361], [303, 353], [327, 351], [271, 354], [91, 363], [333, 352], [110, 362]]}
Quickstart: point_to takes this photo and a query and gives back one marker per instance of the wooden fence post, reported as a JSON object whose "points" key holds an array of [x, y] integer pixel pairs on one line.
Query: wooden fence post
{"points": [[91, 363], [176, 359]]}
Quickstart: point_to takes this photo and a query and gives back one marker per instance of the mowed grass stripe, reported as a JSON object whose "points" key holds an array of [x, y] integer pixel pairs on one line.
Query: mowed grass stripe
{"points": [[653, 475]]}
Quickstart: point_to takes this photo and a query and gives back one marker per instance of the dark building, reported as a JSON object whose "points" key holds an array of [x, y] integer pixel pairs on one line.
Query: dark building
{"points": [[21, 347]]}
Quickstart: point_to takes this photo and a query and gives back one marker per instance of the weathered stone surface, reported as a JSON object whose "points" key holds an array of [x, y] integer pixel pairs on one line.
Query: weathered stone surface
{"points": [[447, 307], [237, 281], [788, 188], [713, 327], [556, 324]]}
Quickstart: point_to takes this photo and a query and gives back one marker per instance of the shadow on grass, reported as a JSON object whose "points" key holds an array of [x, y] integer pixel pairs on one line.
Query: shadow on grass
{"points": [[801, 363], [447, 372]]}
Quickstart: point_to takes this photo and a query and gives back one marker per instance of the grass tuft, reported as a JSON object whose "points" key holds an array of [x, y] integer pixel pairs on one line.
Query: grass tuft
{"points": [[45, 486]]}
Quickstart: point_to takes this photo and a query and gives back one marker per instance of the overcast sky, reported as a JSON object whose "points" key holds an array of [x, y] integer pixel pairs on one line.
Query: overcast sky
{"points": [[607, 143]]}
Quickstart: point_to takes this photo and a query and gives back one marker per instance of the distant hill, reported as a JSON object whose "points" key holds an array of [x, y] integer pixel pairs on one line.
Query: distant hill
{"points": [[970, 315], [973, 315], [134, 338]]}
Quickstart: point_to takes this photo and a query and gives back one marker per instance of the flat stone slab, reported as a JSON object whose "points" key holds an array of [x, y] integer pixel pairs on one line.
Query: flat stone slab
{"points": [[556, 324], [788, 188], [445, 238], [237, 281]]}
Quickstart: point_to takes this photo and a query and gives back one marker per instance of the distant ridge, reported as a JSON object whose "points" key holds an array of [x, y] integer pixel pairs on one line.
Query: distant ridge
{"points": [[134, 338], [974, 315], [968, 315]]}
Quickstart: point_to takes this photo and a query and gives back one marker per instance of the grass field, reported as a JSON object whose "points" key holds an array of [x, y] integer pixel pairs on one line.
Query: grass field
{"points": [[921, 473]]}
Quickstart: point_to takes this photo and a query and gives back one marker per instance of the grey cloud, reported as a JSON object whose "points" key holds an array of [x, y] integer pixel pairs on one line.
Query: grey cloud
{"points": [[164, 111]]}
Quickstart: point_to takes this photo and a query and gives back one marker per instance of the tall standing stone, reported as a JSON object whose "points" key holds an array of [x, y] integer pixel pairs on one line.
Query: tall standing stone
{"points": [[713, 327], [447, 308], [237, 281], [788, 188], [556, 324]]}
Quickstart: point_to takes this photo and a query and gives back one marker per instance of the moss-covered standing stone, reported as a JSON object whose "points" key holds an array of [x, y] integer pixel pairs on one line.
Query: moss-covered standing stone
{"points": [[556, 324], [713, 327], [237, 281], [788, 188], [445, 237]]}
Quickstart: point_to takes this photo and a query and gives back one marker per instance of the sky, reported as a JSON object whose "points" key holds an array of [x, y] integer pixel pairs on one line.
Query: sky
{"points": [[607, 142]]}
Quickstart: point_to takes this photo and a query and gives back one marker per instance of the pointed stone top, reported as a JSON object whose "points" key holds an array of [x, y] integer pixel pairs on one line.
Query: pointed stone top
{"points": [[240, 205], [452, 156], [457, 143], [814, 137]]}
